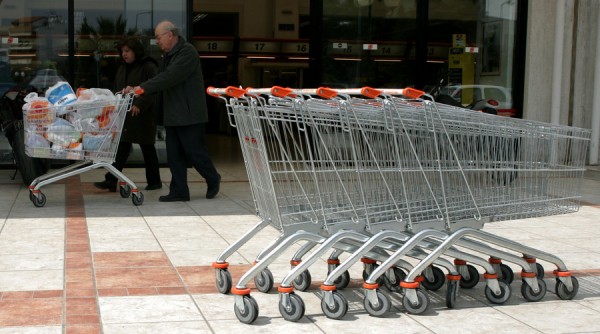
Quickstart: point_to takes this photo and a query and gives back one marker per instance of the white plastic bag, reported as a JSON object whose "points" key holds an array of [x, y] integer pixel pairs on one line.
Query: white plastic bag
{"points": [[62, 133]]}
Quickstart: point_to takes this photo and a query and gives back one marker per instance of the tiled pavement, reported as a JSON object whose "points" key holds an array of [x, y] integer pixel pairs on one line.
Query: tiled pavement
{"points": [[91, 262]]}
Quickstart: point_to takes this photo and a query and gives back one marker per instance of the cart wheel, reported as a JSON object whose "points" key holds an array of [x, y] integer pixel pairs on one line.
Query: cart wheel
{"points": [[507, 274], [563, 292], [501, 298], [302, 282], [264, 281], [473, 278], [528, 293], [137, 198], [295, 309], [250, 312], [540, 270], [399, 276], [381, 309], [366, 273], [421, 305], [31, 196], [39, 200], [451, 293], [339, 309], [342, 282], [223, 280], [438, 280], [125, 191]]}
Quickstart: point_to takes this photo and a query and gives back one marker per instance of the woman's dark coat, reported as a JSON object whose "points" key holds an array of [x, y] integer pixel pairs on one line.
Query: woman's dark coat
{"points": [[140, 129]]}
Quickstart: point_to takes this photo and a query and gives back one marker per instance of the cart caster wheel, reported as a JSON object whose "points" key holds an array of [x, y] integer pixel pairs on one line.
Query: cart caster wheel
{"points": [[342, 282], [540, 270], [399, 276], [302, 282], [438, 280], [223, 280], [31, 196], [507, 274], [339, 309], [563, 292], [381, 309], [137, 199], [528, 293], [473, 278], [295, 309], [501, 298], [451, 293], [39, 200], [250, 312], [421, 305], [125, 191], [264, 281], [366, 273]]}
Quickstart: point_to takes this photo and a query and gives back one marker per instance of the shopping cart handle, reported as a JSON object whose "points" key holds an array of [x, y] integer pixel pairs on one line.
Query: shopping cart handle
{"points": [[412, 93], [281, 91], [326, 92], [138, 91], [371, 93]]}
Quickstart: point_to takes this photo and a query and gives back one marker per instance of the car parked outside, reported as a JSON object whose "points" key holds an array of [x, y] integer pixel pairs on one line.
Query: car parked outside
{"points": [[502, 95]]}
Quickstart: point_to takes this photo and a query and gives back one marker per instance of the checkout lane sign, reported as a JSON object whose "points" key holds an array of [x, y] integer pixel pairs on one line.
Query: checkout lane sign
{"points": [[10, 40]]}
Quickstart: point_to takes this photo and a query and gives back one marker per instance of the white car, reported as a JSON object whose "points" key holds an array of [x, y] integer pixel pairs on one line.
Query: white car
{"points": [[45, 78], [501, 95]]}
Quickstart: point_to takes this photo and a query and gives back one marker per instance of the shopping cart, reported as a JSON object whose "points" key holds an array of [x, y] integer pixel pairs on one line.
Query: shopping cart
{"points": [[85, 132], [399, 175]]}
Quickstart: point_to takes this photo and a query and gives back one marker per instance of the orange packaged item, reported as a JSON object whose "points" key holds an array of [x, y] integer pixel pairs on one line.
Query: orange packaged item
{"points": [[39, 113]]}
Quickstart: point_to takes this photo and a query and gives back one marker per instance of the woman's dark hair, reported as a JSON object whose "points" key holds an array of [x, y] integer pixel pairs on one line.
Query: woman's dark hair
{"points": [[135, 45]]}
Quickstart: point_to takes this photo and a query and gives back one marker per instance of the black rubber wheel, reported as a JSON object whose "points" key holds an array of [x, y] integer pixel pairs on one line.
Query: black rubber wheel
{"points": [[473, 278], [125, 191], [250, 312], [399, 276], [438, 280], [505, 292], [420, 307], [540, 270], [564, 293], [339, 309], [342, 282], [381, 309], [264, 281], [367, 272], [223, 280], [507, 273], [39, 200], [295, 310], [137, 199], [528, 293], [451, 293], [302, 282]]}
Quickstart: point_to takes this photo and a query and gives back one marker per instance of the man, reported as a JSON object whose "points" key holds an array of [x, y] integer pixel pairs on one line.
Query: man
{"points": [[184, 113]]}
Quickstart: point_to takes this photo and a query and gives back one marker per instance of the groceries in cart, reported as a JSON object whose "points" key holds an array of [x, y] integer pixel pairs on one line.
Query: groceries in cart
{"points": [[74, 127], [85, 126]]}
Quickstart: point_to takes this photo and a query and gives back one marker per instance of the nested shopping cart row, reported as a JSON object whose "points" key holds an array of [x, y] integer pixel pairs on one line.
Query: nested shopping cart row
{"points": [[400, 183]]}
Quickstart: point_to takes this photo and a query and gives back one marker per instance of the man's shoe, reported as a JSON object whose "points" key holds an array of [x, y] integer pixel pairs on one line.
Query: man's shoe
{"points": [[153, 186], [104, 185], [213, 189], [172, 198]]}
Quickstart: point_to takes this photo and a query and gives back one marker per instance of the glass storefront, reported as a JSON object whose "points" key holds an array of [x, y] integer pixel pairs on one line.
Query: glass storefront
{"points": [[259, 43]]}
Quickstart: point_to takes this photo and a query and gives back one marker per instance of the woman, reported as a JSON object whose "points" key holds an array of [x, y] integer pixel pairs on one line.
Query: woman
{"points": [[140, 122]]}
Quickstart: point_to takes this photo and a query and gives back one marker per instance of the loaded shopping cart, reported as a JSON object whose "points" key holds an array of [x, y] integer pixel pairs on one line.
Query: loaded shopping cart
{"points": [[403, 185], [86, 131]]}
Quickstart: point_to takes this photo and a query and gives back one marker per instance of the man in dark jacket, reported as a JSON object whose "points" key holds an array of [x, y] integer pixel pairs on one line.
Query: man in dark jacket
{"points": [[182, 101]]}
